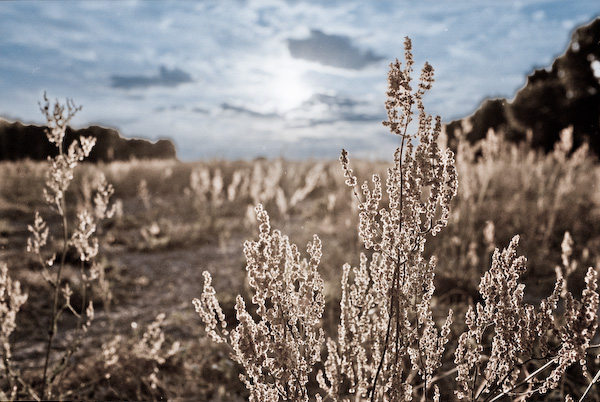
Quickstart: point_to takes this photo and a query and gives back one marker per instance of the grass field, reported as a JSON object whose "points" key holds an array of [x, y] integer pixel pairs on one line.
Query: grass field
{"points": [[175, 220]]}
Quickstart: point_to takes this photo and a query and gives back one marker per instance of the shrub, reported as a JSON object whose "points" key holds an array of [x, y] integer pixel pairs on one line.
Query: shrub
{"points": [[279, 351], [390, 345]]}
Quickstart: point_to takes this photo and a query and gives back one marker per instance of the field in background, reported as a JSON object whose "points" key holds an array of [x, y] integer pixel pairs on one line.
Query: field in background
{"points": [[177, 219]]}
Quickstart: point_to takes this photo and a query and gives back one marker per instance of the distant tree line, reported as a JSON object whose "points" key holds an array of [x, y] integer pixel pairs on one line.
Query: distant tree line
{"points": [[19, 141], [567, 94]]}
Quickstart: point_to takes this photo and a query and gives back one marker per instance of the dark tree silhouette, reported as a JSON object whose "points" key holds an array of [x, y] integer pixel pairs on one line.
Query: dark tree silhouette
{"points": [[19, 141], [566, 94]]}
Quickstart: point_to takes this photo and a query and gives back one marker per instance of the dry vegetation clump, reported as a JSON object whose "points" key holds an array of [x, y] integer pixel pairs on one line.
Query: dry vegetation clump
{"points": [[392, 339], [507, 189], [78, 238]]}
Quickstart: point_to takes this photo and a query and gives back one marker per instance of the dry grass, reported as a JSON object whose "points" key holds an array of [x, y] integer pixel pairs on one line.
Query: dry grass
{"points": [[142, 271]]}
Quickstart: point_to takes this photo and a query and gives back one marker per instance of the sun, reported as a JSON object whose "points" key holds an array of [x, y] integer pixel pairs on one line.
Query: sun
{"points": [[287, 89]]}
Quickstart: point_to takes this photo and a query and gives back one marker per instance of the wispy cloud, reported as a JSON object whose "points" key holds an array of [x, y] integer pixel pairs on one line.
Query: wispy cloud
{"points": [[165, 78], [331, 100], [324, 109], [227, 107], [331, 50]]}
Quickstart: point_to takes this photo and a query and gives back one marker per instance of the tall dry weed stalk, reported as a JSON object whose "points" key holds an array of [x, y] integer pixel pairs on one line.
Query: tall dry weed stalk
{"points": [[391, 345], [78, 235], [388, 344]]}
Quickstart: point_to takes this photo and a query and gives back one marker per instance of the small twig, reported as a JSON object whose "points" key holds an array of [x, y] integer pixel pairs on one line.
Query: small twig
{"points": [[529, 377], [387, 339], [594, 381]]}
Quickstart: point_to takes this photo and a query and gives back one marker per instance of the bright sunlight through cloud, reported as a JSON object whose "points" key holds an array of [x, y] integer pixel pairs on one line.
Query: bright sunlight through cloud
{"points": [[287, 89]]}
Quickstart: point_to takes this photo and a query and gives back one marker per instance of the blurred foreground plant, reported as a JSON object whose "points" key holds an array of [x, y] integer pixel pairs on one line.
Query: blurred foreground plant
{"points": [[79, 236], [137, 362]]}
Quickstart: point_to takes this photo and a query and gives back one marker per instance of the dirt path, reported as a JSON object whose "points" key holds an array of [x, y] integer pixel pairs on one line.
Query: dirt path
{"points": [[167, 281]]}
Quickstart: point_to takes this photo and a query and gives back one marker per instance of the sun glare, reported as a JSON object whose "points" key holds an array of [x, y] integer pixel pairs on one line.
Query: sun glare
{"points": [[287, 90]]}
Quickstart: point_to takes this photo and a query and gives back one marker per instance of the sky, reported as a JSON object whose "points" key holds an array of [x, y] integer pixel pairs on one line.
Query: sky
{"points": [[227, 79]]}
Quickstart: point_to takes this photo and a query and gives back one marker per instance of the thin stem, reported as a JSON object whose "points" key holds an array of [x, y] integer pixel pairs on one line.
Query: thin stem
{"points": [[396, 280], [529, 377], [387, 340], [84, 286], [424, 396], [400, 204], [396, 307], [587, 390], [473, 398], [6, 361], [25, 385], [54, 318]]}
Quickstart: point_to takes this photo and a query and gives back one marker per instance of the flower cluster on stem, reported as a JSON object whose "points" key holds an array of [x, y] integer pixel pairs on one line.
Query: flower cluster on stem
{"points": [[279, 350], [523, 338]]}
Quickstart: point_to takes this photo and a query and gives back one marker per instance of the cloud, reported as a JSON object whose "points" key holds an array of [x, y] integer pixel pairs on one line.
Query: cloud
{"points": [[171, 108], [331, 101], [324, 109], [200, 110], [331, 50], [165, 78], [239, 109]]}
